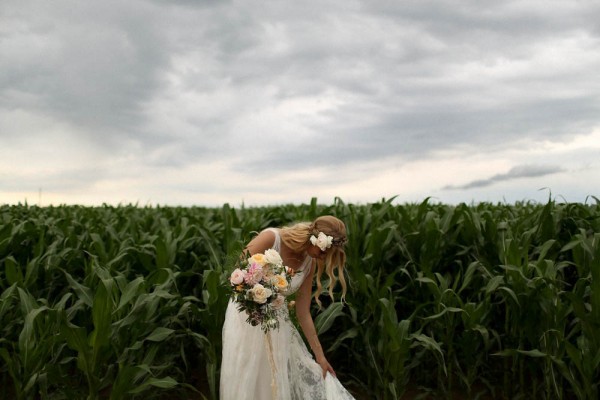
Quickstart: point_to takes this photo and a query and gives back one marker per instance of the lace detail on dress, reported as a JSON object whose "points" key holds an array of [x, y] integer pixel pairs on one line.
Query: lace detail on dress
{"points": [[306, 377]]}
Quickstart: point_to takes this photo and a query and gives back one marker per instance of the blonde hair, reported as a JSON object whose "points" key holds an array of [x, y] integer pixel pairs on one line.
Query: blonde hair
{"points": [[297, 238]]}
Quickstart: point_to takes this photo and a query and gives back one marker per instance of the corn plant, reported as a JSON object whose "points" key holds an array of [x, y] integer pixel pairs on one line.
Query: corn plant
{"points": [[475, 300]]}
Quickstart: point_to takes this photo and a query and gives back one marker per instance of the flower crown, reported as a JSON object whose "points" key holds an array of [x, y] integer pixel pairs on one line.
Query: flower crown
{"points": [[323, 241]]}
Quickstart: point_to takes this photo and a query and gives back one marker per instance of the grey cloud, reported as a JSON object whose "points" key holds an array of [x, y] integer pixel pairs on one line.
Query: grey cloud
{"points": [[413, 111], [414, 135], [90, 65], [520, 171]]}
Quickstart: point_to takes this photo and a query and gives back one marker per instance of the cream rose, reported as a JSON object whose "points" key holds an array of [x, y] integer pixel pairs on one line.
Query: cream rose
{"points": [[237, 277], [267, 273], [273, 257], [260, 294]]}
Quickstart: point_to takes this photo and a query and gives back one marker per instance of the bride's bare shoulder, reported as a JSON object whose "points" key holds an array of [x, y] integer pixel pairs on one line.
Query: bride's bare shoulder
{"points": [[262, 242]]}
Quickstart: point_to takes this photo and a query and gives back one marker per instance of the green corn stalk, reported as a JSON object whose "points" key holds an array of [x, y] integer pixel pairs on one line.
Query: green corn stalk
{"points": [[162, 267], [583, 368]]}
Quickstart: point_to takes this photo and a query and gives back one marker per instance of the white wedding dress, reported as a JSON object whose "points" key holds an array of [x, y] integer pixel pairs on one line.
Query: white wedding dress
{"points": [[246, 372]]}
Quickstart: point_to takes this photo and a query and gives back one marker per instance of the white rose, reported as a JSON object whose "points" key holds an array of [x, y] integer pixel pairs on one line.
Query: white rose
{"points": [[260, 294], [237, 277], [323, 241], [273, 257]]}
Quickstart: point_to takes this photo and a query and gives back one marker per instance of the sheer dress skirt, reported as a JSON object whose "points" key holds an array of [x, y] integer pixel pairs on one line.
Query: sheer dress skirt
{"points": [[246, 372]]}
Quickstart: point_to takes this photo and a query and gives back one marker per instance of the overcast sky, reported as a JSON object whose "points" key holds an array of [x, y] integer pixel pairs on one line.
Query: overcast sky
{"points": [[269, 102]]}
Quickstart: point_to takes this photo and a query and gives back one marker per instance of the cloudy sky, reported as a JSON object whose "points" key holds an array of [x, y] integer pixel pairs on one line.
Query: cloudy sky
{"points": [[269, 102]]}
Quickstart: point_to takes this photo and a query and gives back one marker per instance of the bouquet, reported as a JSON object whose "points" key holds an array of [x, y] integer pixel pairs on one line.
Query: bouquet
{"points": [[257, 285]]}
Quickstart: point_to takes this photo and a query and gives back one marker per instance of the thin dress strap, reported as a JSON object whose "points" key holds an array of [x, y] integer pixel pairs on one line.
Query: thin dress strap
{"points": [[277, 243]]}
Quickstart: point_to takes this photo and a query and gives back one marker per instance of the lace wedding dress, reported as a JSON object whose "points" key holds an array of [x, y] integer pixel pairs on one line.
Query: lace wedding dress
{"points": [[246, 372]]}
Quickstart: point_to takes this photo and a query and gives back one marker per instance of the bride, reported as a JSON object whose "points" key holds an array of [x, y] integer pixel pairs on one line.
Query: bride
{"points": [[287, 371]]}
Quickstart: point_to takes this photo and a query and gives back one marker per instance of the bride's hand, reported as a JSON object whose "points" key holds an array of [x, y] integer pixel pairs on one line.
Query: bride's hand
{"points": [[326, 367]]}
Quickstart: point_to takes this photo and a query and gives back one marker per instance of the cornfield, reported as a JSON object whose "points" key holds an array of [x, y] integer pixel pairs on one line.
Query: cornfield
{"points": [[464, 302]]}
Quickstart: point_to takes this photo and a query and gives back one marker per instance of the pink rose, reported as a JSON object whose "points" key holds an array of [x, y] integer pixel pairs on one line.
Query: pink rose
{"points": [[278, 302], [237, 277]]}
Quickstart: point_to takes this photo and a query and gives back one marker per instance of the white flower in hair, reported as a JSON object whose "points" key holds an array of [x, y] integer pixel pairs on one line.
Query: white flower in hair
{"points": [[322, 241]]}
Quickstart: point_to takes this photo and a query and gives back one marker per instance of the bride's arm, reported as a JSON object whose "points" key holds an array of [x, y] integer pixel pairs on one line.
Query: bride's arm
{"points": [[303, 299]]}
